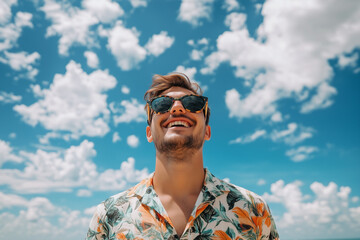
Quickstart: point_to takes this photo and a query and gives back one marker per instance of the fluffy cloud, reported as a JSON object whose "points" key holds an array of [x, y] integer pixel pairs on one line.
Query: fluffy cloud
{"points": [[250, 138], [125, 90], [231, 5], [56, 221], [158, 43], [129, 111], [70, 23], [132, 141], [106, 11], [22, 61], [289, 58], [73, 24], [92, 59], [194, 11], [124, 45], [65, 170], [325, 214], [301, 153], [9, 97], [74, 103], [6, 153], [11, 31], [345, 61]]}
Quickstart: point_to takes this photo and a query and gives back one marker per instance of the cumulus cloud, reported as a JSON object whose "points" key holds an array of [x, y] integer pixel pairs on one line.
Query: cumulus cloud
{"points": [[301, 153], [56, 221], [123, 43], [6, 153], [325, 214], [106, 11], [22, 62], [74, 103], [158, 43], [9, 97], [194, 12], [132, 141], [289, 58], [249, 138], [64, 170], [231, 5], [138, 3], [128, 111], [11, 31], [92, 59], [70, 23]]}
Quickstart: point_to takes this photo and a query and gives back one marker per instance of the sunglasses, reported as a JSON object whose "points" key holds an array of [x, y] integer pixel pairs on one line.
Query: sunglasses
{"points": [[191, 103]]}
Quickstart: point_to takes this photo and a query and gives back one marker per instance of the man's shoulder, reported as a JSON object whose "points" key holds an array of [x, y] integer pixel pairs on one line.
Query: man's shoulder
{"points": [[237, 195], [123, 198]]}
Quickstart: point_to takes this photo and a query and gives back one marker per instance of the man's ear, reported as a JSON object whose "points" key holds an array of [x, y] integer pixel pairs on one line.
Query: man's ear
{"points": [[207, 132], [148, 134]]}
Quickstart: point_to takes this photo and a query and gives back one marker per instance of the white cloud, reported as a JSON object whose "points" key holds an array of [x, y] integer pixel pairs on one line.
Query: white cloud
{"points": [[200, 47], [11, 200], [56, 221], [158, 43], [9, 97], [290, 56], [106, 11], [116, 137], [124, 45], [249, 138], [130, 111], [64, 170], [125, 89], [92, 59], [138, 3], [6, 154], [75, 103], [11, 31], [70, 23], [83, 193], [258, 7], [293, 134], [231, 5], [277, 117], [326, 215], [22, 61], [12, 135], [235, 21], [345, 61], [189, 72], [132, 141], [194, 11], [301, 153]]}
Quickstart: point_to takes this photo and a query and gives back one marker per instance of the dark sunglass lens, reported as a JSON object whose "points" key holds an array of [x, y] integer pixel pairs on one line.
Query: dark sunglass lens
{"points": [[193, 103], [161, 104]]}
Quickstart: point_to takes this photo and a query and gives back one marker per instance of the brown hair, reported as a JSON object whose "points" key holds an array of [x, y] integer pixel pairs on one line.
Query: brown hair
{"points": [[161, 83]]}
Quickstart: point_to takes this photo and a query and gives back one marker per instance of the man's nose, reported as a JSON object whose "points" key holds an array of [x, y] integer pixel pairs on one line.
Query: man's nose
{"points": [[177, 107]]}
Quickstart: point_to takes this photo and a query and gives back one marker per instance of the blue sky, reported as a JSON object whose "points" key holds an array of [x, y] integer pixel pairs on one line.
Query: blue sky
{"points": [[282, 79]]}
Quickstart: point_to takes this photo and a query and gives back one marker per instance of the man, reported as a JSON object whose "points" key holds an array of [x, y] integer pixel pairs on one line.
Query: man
{"points": [[181, 199]]}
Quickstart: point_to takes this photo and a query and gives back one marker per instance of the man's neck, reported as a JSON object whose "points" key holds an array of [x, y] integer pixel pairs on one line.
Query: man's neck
{"points": [[177, 177]]}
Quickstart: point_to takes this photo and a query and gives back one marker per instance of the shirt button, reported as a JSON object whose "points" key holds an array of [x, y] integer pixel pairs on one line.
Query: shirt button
{"points": [[176, 236], [148, 191]]}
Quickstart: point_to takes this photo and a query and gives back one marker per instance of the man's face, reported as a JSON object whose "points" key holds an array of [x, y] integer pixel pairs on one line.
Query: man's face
{"points": [[178, 129]]}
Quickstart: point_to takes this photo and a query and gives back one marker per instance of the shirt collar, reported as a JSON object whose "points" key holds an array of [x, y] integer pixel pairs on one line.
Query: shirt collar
{"points": [[145, 192]]}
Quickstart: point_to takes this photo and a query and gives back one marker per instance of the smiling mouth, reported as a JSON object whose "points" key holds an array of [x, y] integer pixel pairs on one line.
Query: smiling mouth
{"points": [[178, 124]]}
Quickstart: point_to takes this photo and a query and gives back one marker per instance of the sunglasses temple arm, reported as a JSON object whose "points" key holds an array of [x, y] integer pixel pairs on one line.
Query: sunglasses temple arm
{"points": [[206, 110], [148, 113]]}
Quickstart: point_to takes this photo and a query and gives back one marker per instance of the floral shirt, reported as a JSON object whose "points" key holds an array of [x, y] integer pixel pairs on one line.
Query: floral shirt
{"points": [[222, 211]]}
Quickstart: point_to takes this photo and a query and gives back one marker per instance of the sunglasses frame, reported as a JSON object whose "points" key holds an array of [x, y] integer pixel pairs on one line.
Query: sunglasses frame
{"points": [[149, 108]]}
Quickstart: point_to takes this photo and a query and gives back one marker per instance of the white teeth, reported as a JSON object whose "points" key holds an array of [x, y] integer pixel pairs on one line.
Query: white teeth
{"points": [[182, 123]]}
